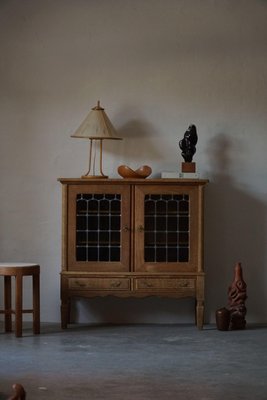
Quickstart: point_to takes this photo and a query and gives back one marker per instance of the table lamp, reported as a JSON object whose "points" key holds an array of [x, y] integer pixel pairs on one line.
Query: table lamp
{"points": [[96, 127]]}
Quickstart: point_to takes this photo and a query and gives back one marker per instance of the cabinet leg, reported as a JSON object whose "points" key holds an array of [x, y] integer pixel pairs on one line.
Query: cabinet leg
{"points": [[200, 314], [65, 314]]}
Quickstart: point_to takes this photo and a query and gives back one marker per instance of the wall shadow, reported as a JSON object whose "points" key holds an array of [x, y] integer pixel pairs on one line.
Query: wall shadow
{"points": [[235, 230], [138, 147]]}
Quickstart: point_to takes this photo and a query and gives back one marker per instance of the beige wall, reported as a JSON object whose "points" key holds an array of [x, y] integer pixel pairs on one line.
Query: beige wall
{"points": [[156, 66]]}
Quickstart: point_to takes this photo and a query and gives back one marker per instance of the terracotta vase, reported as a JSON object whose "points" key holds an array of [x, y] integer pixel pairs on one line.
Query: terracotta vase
{"points": [[223, 317], [237, 295]]}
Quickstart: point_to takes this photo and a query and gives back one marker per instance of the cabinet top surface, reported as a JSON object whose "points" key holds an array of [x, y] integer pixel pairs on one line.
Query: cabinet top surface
{"points": [[122, 181]]}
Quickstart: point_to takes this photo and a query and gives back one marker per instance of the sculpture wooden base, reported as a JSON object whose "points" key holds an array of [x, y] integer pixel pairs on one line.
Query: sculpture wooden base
{"points": [[188, 167]]}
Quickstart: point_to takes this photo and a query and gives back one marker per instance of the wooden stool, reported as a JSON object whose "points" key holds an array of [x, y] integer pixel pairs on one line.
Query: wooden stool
{"points": [[19, 270]]}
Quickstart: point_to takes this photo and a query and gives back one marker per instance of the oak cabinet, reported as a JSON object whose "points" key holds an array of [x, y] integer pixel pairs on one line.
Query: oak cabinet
{"points": [[132, 237]]}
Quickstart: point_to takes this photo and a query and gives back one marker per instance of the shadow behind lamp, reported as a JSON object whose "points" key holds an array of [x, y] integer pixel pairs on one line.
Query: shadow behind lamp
{"points": [[96, 127]]}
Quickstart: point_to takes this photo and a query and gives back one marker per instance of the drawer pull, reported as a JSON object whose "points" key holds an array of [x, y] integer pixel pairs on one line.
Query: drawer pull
{"points": [[148, 284], [115, 284], [81, 284], [184, 284]]}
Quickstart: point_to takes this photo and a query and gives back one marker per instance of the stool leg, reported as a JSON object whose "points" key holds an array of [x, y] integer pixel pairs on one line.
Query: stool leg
{"points": [[18, 310], [8, 305], [36, 303]]}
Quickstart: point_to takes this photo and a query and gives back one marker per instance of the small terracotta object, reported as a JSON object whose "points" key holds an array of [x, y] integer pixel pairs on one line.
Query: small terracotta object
{"points": [[223, 319], [20, 393], [140, 173]]}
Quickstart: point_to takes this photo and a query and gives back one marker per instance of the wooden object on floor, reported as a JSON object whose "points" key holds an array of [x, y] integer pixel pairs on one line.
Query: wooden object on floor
{"points": [[237, 295], [132, 238], [20, 393], [19, 270]]}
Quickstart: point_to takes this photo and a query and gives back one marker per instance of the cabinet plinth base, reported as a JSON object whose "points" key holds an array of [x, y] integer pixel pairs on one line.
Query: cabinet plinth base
{"points": [[85, 285]]}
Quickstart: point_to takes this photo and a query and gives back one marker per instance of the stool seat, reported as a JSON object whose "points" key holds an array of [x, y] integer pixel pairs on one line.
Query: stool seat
{"points": [[19, 270], [17, 265]]}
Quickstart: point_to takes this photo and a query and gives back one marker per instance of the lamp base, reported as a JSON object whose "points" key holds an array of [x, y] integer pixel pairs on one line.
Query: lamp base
{"points": [[94, 177]]}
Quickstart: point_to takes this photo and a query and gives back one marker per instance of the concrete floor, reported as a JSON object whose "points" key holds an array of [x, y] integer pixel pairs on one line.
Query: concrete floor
{"points": [[136, 362]]}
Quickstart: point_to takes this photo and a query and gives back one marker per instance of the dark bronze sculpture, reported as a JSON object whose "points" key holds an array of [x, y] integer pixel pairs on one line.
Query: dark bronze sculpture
{"points": [[237, 295], [188, 143]]}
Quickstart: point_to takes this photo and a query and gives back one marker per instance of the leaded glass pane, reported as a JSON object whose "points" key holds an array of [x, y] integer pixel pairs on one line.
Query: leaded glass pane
{"points": [[166, 237], [98, 227]]}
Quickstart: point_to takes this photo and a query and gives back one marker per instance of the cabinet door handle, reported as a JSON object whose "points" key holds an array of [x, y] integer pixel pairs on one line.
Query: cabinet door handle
{"points": [[140, 228], [126, 228]]}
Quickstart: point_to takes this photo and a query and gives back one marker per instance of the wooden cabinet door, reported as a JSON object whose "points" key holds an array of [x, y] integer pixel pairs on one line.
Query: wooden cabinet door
{"points": [[98, 228], [167, 230]]}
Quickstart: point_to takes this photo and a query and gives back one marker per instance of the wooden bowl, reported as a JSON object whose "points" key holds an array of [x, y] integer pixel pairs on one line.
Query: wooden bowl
{"points": [[140, 173]]}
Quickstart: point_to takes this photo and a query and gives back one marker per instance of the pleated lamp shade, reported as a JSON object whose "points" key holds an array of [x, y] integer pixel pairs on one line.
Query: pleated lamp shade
{"points": [[96, 127]]}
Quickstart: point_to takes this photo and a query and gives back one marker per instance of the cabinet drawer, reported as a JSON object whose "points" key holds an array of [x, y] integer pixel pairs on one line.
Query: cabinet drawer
{"points": [[99, 283], [164, 283]]}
